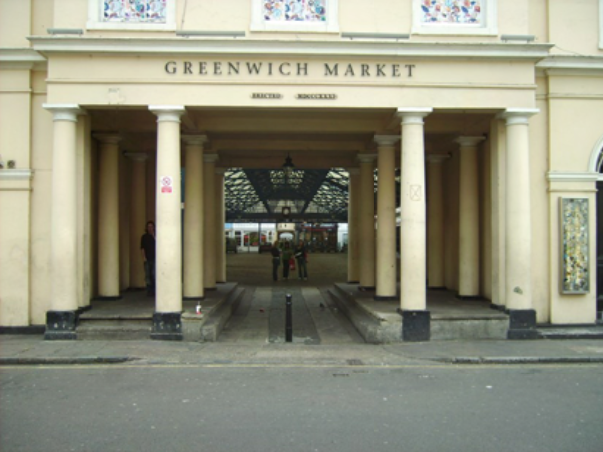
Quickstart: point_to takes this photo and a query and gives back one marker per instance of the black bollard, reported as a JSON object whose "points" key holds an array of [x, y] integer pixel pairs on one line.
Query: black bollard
{"points": [[289, 320]]}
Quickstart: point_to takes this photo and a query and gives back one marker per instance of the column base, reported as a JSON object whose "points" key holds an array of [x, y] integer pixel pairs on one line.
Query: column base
{"points": [[416, 325], [167, 326], [522, 324], [193, 298], [366, 288], [30, 329], [498, 307], [60, 326], [385, 298]]}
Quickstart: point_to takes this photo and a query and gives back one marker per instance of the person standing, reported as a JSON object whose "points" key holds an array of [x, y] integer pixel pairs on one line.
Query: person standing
{"points": [[275, 251], [287, 255], [147, 248], [301, 255]]}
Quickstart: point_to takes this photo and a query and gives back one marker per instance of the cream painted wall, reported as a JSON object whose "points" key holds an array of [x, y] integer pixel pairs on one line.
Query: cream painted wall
{"points": [[538, 26], [15, 16], [70, 14], [42, 16], [41, 161], [15, 93], [375, 17], [539, 149], [574, 26]]}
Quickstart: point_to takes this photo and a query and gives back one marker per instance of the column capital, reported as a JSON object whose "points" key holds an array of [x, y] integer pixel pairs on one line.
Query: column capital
{"points": [[413, 115], [170, 113], [137, 156], [210, 158], [437, 158], [386, 140], [518, 115], [194, 139], [108, 138], [366, 158], [466, 141], [64, 112]]}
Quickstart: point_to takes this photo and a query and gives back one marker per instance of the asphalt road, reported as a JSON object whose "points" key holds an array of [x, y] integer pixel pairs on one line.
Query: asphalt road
{"points": [[302, 408]]}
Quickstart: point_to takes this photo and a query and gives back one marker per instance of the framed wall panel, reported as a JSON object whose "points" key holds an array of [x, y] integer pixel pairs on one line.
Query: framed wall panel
{"points": [[575, 237]]}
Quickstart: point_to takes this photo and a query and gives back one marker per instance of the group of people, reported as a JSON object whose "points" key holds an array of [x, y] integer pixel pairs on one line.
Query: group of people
{"points": [[286, 255]]}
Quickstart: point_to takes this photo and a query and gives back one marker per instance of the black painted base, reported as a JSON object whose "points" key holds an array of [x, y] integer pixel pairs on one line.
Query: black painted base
{"points": [[167, 326], [498, 307], [113, 298], [60, 325], [192, 298], [385, 298], [31, 329], [83, 309], [416, 325], [366, 288], [522, 324], [436, 288]]}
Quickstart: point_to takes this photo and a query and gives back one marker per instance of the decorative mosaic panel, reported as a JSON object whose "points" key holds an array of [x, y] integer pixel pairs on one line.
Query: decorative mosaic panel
{"points": [[134, 11], [295, 10], [575, 271], [450, 12]]}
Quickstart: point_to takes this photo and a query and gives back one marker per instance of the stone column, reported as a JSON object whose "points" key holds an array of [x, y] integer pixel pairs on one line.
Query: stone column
{"points": [[435, 221], [353, 226], [220, 238], [468, 217], [168, 305], [366, 222], [413, 291], [61, 318], [193, 217], [386, 218], [138, 219], [108, 216], [209, 221], [518, 234]]}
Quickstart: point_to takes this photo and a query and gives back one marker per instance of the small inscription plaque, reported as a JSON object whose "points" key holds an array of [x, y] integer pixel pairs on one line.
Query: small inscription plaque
{"points": [[266, 96], [317, 96]]}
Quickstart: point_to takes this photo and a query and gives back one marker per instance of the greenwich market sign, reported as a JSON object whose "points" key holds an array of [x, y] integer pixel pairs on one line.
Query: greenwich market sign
{"points": [[289, 69]]}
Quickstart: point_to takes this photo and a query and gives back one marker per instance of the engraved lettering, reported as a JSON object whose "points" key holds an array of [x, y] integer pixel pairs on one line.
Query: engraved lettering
{"points": [[349, 71], [254, 68], [331, 71], [365, 70], [170, 67], [302, 67], [409, 66], [217, 68], [380, 72], [188, 67], [203, 68], [232, 68], [280, 69], [395, 70]]}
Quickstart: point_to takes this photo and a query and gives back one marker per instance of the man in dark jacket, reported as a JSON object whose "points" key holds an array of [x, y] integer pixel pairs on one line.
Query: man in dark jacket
{"points": [[147, 248]]}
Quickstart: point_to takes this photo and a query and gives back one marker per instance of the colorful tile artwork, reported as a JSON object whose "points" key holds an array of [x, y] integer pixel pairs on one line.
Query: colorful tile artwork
{"points": [[295, 10], [147, 11], [574, 244], [452, 11]]}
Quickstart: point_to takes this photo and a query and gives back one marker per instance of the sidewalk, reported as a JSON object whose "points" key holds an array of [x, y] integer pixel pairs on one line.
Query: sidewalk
{"points": [[33, 350]]}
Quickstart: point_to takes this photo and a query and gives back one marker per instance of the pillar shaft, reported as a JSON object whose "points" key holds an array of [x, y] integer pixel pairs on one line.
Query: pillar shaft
{"points": [[138, 200], [469, 217], [220, 238], [435, 222], [63, 229], [412, 212], [518, 240], [209, 230], [168, 262], [353, 226], [367, 222], [193, 217], [386, 219], [108, 215]]}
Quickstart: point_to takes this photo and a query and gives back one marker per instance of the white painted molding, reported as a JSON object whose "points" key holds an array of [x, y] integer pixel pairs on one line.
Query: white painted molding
{"points": [[198, 47], [466, 141], [595, 155], [601, 24], [21, 59], [386, 140], [559, 176], [169, 113], [16, 174], [64, 112], [555, 64]]}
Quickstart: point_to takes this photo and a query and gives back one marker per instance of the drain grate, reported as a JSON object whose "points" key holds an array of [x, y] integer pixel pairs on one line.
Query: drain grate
{"points": [[355, 362]]}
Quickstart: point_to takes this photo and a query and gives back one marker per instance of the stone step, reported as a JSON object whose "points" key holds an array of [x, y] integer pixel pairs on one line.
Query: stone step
{"points": [[118, 330]]}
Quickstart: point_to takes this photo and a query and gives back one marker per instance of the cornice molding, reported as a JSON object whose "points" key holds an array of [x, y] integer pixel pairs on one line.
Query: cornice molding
{"points": [[21, 59], [570, 64], [213, 46], [16, 174], [558, 176]]}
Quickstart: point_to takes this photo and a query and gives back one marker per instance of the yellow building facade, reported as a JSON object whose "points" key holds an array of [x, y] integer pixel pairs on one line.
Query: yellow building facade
{"points": [[492, 110]]}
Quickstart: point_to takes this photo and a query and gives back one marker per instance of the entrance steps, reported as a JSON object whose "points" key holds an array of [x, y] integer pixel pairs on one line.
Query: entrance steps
{"points": [[451, 318], [131, 317]]}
